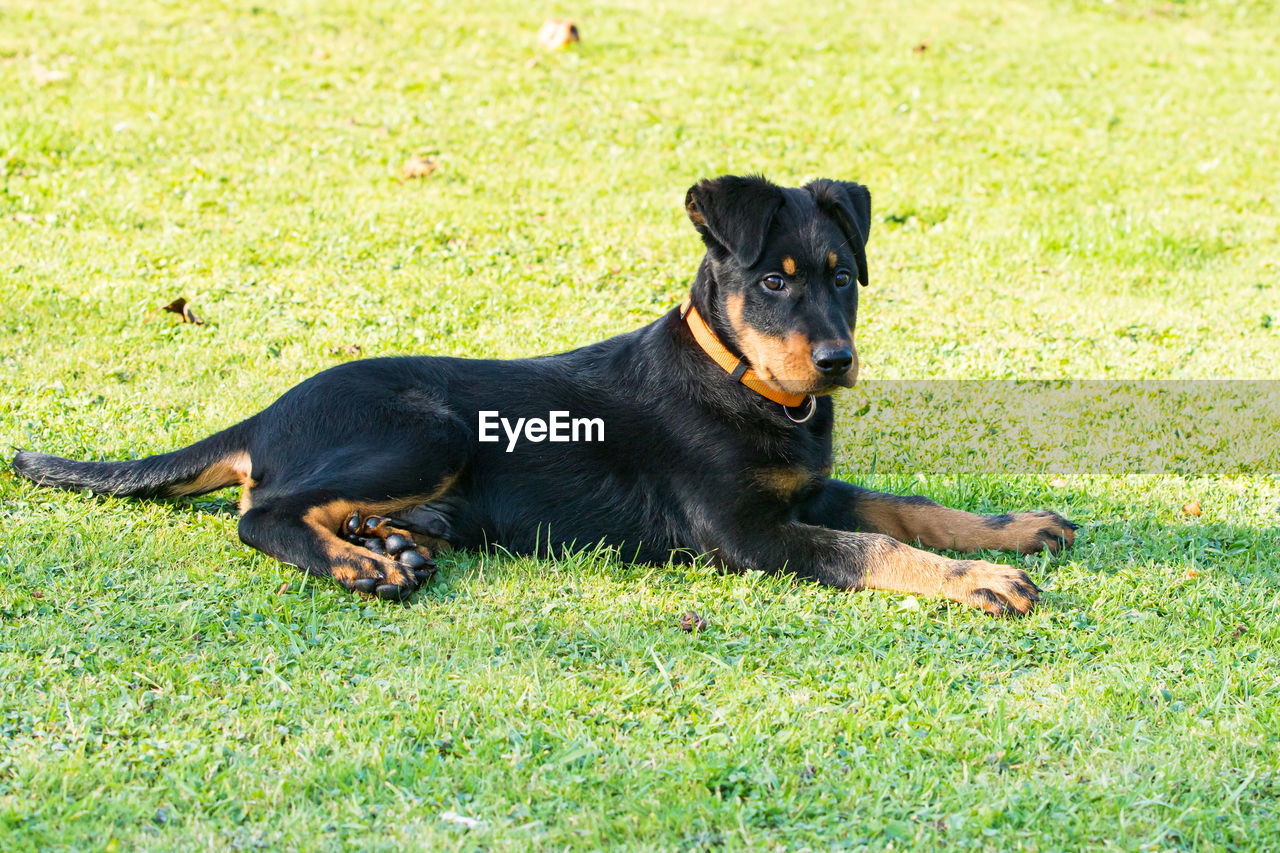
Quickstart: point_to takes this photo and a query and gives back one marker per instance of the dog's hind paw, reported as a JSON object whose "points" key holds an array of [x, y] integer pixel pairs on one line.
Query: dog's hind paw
{"points": [[377, 535]]}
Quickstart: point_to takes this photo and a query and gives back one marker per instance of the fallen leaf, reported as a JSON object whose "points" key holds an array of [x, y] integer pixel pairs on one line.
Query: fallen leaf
{"points": [[691, 622], [35, 593], [284, 587], [1192, 508], [1193, 573], [461, 820], [921, 47], [349, 349], [418, 166], [179, 306], [556, 34], [47, 75]]}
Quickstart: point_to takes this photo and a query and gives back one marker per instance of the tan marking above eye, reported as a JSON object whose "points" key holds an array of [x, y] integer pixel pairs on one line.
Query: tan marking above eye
{"points": [[789, 265], [832, 260]]}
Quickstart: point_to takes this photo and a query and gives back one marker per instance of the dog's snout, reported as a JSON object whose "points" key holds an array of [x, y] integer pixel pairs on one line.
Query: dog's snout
{"points": [[833, 359]]}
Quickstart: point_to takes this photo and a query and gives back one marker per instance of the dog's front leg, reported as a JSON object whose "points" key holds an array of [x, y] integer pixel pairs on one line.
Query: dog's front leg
{"points": [[874, 561], [843, 506]]}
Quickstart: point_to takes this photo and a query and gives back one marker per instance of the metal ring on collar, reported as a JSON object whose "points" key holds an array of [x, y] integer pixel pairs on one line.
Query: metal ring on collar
{"points": [[813, 407]]}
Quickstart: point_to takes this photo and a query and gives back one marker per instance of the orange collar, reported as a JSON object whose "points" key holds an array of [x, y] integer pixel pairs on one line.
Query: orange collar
{"points": [[730, 363]]}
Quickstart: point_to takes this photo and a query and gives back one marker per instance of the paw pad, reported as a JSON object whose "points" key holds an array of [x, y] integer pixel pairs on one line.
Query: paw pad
{"points": [[375, 534]]}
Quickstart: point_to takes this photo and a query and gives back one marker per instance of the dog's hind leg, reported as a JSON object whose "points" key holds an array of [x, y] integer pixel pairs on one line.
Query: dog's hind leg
{"points": [[305, 531], [321, 504]]}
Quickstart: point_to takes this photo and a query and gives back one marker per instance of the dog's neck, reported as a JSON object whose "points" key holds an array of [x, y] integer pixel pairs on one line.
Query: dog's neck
{"points": [[705, 292]]}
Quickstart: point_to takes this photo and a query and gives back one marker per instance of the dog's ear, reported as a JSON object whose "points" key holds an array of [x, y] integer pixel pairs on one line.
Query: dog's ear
{"points": [[849, 204], [734, 214]]}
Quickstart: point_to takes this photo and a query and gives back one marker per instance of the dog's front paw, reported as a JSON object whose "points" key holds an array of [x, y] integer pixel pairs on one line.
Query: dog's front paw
{"points": [[1032, 532], [996, 589]]}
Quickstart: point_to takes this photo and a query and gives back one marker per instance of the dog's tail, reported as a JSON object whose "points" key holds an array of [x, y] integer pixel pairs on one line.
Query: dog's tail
{"points": [[216, 462]]}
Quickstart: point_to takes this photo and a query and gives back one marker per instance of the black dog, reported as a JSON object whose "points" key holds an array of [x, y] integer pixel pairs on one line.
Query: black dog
{"points": [[706, 432]]}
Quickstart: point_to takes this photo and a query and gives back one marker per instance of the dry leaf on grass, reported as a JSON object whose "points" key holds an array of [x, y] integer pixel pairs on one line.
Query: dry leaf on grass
{"points": [[691, 622], [418, 166], [180, 307], [1192, 508], [348, 349], [921, 47], [45, 76], [556, 34]]}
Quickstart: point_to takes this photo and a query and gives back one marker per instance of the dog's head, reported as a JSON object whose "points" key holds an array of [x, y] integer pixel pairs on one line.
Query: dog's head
{"points": [[781, 275]]}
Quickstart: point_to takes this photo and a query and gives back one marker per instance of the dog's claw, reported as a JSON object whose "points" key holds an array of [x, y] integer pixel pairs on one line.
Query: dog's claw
{"points": [[366, 585], [396, 544], [352, 527], [371, 524], [393, 592], [414, 561]]}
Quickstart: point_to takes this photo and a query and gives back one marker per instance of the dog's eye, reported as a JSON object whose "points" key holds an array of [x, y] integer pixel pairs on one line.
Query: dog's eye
{"points": [[774, 282], [843, 278]]}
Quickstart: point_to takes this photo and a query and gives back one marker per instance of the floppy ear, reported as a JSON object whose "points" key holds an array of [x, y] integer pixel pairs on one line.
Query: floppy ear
{"points": [[849, 204], [734, 214]]}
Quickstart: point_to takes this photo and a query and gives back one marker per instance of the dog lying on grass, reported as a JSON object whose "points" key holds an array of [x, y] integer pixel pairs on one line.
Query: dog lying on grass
{"points": [[706, 432]]}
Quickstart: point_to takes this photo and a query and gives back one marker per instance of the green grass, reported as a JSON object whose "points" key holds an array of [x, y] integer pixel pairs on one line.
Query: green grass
{"points": [[1064, 189]]}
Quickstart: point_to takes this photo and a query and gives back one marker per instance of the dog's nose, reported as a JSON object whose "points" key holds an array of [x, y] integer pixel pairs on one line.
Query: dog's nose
{"points": [[832, 359]]}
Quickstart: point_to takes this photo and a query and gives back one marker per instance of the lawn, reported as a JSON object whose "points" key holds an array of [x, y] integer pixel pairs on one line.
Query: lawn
{"points": [[1062, 190]]}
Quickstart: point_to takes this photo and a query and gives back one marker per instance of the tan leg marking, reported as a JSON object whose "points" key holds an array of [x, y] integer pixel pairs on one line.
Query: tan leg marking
{"points": [[994, 588], [233, 470], [348, 562], [934, 526]]}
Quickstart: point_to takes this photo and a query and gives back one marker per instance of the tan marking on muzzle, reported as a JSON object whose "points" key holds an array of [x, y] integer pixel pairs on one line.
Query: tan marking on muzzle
{"points": [[785, 363]]}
